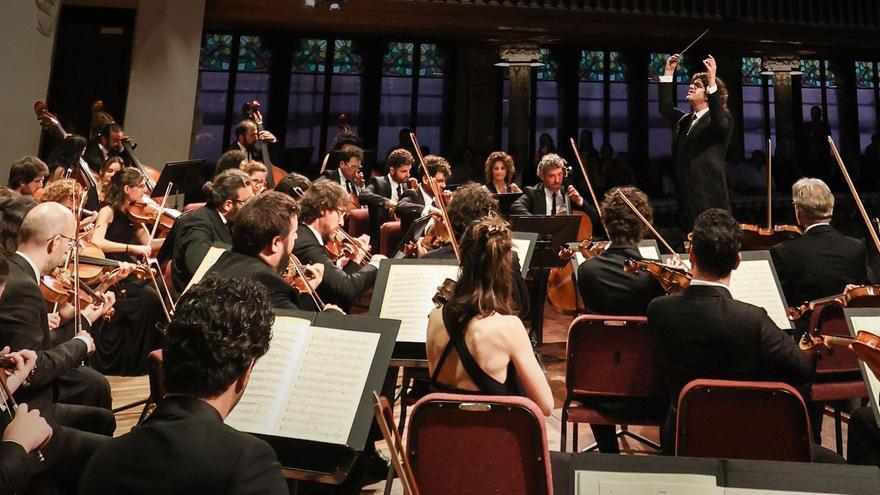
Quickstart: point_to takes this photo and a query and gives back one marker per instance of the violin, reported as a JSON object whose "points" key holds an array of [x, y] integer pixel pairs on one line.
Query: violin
{"points": [[93, 264], [860, 296], [57, 288], [758, 238], [671, 278], [146, 210], [341, 244], [866, 346], [588, 248], [444, 292], [296, 276]]}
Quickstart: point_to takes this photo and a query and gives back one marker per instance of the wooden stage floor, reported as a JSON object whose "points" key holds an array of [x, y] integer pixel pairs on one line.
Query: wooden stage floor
{"points": [[130, 389]]}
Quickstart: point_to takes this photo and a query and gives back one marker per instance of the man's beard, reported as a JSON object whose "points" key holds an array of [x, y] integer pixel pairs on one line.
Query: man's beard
{"points": [[283, 264]]}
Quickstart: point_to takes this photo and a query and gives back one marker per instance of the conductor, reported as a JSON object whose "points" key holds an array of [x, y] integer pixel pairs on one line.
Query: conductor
{"points": [[699, 140]]}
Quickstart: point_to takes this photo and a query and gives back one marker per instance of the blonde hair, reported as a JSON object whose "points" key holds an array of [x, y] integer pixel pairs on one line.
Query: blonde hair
{"points": [[813, 199], [61, 191], [252, 166]]}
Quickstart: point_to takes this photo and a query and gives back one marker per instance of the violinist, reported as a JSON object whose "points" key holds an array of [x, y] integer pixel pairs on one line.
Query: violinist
{"points": [[62, 192], [323, 207], [246, 137], [823, 261], [65, 156], [110, 168], [125, 346], [59, 386], [107, 143], [262, 240], [383, 193], [608, 290], [195, 232], [27, 175], [548, 198], [348, 174], [256, 172], [500, 172], [419, 202], [475, 342], [293, 185], [704, 333]]}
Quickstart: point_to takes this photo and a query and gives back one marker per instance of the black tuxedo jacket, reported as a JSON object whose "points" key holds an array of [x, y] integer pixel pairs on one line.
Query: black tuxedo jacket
{"points": [[700, 155], [281, 294], [188, 242], [819, 264], [15, 470], [374, 196], [183, 448], [333, 175], [94, 157], [24, 325], [704, 333], [252, 152], [409, 208], [533, 202], [608, 290], [341, 287]]}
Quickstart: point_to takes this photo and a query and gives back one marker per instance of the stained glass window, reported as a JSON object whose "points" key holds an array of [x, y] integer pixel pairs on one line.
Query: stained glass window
{"points": [[865, 74], [830, 76], [751, 71], [657, 66], [812, 77], [252, 55], [431, 61], [616, 67], [592, 66], [216, 52], [548, 71], [398, 60], [310, 57], [346, 60]]}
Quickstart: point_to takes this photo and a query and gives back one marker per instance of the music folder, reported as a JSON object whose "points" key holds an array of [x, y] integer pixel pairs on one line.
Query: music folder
{"points": [[187, 178], [868, 320], [412, 234], [505, 200], [524, 247], [552, 231], [311, 396]]}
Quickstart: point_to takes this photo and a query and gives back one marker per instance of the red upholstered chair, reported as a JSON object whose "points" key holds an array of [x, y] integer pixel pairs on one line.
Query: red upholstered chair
{"points": [[478, 444], [389, 238], [192, 206], [838, 377], [358, 222], [612, 358], [743, 420], [157, 384]]}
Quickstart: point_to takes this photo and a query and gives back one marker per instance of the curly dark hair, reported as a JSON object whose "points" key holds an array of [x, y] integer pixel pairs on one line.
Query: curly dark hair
{"points": [[294, 185], [722, 88], [716, 241], [225, 186], [322, 196], [469, 203], [399, 157], [219, 326], [262, 219], [622, 225], [228, 160], [507, 160], [13, 208]]}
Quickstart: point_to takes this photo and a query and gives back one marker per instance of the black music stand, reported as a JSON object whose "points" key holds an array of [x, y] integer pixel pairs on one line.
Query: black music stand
{"points": [[505, 200], [553, 232], [412, 234], [187, 178]]}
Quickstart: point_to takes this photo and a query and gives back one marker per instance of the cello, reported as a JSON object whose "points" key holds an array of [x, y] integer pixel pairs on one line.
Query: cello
{"points": [[273, 174], [756, 237], [128, 144], [50, 122]]}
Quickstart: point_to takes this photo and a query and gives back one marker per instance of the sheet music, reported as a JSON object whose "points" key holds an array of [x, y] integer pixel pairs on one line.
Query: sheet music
{"points": [[591, 482], [259, 407], [309, 385], [753, 491], [208, 261], [649, 252], [408, 297], [521, 248], [868, 324], [656, 488], [753, 283], [326, 390]]}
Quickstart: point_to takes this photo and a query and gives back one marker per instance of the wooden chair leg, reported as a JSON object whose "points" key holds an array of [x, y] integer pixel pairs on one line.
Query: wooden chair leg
{"points": [[838, 429]]}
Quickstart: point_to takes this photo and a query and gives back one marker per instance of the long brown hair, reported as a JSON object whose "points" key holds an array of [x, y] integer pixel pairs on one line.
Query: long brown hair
{"points": [[485, 284], [114, 196]]}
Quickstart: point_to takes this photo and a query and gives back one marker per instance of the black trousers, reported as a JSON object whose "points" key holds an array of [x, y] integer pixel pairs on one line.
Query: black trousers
{"points": [[863, 439], [84, 386]]}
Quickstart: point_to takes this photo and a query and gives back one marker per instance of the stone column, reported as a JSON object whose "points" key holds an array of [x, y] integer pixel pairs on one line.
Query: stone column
{"points": [[785, 152], [519, 57]]}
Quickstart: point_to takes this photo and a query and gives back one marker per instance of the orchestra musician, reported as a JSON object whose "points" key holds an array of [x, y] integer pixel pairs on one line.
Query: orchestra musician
{"points": [[293, 185], [183, 446], [607, 289], [66, 156], [234, 158], [547, 197], [110, 168], [349, 167], [705, 333], [124, 348], [27, 175], [246, 137], [107, 144], [383, 193], [256, 171], [500, 171], [419, 202], [699, 140], [475, 342], [322, 209], [263, 237], [194, 233]]}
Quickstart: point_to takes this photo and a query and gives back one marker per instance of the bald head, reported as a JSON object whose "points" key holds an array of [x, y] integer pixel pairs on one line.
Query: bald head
{"points": [[46, 220]]}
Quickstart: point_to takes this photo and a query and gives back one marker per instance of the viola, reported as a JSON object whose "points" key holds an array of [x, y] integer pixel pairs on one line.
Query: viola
{"points": [[296, 275], [859, 296], [671, 278]]}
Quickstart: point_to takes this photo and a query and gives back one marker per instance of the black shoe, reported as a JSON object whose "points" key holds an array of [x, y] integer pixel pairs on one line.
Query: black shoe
{"points": [[376, 467]]}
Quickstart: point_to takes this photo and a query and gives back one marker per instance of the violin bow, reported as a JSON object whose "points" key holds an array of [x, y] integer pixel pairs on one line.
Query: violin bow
{"points": [[769, 184], [150, 243], [855, 194], [77, 315], [577, 154], [647, 223], [438, 195], [297, 266]]}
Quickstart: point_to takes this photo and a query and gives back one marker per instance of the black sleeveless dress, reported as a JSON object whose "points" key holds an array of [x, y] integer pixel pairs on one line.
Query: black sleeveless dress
{"points": [[124, 343], [486, 384]]}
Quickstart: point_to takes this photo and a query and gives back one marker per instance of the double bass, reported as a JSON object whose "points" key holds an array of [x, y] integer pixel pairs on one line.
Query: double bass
{"points": [[273, 174], [51, 123]]}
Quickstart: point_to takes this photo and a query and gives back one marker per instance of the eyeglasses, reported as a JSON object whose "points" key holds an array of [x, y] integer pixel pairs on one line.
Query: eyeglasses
{"points": [[70, 240], [342, 212]]}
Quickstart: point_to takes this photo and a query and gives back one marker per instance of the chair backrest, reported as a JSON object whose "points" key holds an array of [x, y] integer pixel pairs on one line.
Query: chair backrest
{"points": [[742, 420], [385, 419], [389, 237], [358, 222], [829, 320], [478, 444], [192, 206], [612, 356]]}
